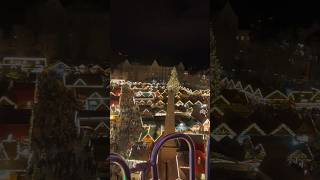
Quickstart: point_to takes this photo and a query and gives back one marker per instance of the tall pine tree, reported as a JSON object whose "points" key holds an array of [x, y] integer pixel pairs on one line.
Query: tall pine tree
{"points": [[126, 133], [215, 70], [57, 152]]}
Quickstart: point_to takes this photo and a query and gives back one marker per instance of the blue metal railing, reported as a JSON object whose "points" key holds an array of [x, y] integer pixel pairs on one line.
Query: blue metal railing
{"points": [[118, 160], [145, 167], [161, 142]]}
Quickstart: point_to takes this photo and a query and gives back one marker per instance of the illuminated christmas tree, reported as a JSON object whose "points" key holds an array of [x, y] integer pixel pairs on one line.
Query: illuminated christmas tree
{"points": [[173, 87], [126, 133], [215, 69], [173, 83]]}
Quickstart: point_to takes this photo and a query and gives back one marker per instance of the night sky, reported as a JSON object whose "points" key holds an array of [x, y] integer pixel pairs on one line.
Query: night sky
{"points": [[284, 13], [79, 30], [169, 30], [173, 30], [14, 11]]}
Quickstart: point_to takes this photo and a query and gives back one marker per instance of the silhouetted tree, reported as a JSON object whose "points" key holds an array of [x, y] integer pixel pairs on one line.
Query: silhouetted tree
{"points": [[57, 152], [215, 69]]}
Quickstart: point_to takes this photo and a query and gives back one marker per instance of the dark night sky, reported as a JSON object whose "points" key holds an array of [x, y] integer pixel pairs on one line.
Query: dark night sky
{"points": [[173, 29], [285, 13], [80, 29], [169, 30], [14, 11]]}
